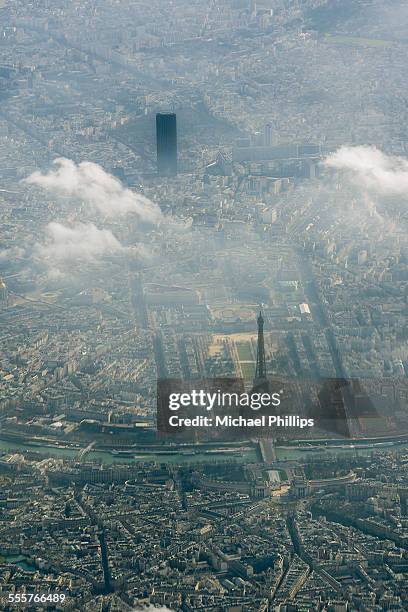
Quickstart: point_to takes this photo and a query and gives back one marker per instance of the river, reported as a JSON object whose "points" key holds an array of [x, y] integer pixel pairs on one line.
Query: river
{"points": [[249, 455]]}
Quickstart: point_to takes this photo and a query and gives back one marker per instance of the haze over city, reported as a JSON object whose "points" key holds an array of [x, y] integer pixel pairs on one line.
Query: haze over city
{"points": [[194, 192]]}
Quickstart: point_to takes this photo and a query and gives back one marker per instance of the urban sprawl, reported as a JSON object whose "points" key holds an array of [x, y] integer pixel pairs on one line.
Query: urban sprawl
{"points": [[199, 190]]}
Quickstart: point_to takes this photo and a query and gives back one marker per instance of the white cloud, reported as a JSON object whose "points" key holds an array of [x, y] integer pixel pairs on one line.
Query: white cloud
{"points": [[102, 191], [372, 169], [80, 243]]}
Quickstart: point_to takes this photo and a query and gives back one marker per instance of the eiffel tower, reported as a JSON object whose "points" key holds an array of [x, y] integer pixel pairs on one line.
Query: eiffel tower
{"points": [[260, 380]]}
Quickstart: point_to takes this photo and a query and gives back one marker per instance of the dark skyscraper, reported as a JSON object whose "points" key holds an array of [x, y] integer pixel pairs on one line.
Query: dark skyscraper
{"points": [[268, 130], [166, 133]]}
